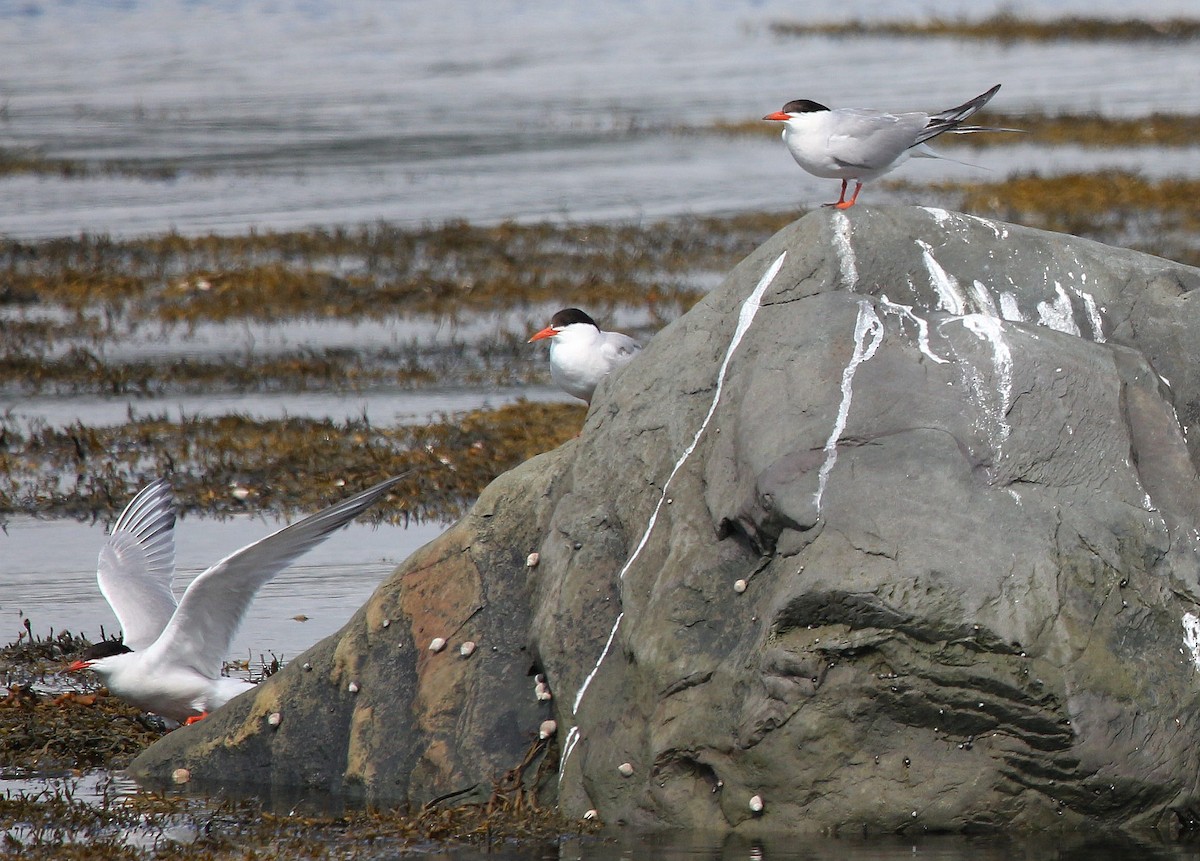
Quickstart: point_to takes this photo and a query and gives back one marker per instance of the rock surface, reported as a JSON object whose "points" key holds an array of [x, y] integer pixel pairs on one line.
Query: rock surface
{"points": [[948, 459]]}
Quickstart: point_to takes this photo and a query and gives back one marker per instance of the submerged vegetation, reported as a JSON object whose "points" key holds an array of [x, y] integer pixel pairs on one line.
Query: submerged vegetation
{"points": [[230, 464], [1006, 27]]}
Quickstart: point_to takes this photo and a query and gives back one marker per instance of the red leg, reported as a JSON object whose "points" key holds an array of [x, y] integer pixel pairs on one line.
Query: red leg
{"points": [[841, 201], [846, 204]]}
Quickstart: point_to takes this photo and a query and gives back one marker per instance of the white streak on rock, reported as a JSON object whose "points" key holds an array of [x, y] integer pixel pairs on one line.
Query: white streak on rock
{"points": [[922, 327], [612, 635], [1191, 636], [992, 330], [745, 317], [845, 251], [1009, 309], [1093, 314], [984, 302], [1059, 314], [941, 216], [946, 219], [568, 748], [868, 335], [950, 297]]}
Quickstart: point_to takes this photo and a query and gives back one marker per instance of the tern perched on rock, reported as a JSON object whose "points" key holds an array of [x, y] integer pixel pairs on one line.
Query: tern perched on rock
{"points": [[581, 355], [861, 145]]}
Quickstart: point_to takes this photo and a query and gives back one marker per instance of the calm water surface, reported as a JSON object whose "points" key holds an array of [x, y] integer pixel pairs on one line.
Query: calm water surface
{"points": [[288, 114]]}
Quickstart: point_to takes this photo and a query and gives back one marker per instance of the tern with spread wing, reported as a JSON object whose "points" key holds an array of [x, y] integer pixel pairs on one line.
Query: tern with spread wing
{"points": [[169, 661], [862, 145], [581, 355]]}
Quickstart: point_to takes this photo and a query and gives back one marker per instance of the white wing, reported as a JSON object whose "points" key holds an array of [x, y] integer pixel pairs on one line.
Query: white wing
{"points": [[213, 606], [137, 563], [618, 349]]}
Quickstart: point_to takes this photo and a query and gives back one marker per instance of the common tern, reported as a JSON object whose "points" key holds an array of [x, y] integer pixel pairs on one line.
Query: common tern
{"points": [[169, 661], [861, 145], [581, 355]]}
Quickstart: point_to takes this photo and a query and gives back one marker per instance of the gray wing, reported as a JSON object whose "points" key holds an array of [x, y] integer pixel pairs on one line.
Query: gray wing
{"points": [[872, 140], [618, 349], [215, 603], [137, 563]]}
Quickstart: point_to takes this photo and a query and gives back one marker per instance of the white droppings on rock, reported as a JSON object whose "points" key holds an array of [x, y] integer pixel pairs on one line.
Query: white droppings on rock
{"points": [[756, 804], [626, 769], [847, 263], [746, 314], [352, 687], [997, 403], [547, 729], [907, 312], [181, 775], [532, 560], [1191, 636], [950, 297], [1059, 314], [437, 644], [467, 649], [868, 335], [274, 719], [739, 586], [1009, 309]]}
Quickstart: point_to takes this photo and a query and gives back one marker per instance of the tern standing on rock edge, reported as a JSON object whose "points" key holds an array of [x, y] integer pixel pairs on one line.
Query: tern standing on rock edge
{"points": [[862, 145], [169, 661], [581, 355]]}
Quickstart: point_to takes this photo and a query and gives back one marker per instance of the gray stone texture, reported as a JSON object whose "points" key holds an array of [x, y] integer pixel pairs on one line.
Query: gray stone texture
{"points": [[953, 464]]}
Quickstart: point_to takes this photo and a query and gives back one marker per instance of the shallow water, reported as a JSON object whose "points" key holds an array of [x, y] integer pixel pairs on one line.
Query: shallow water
{"points": [[289, 114], [48, 568], [381, 406]]}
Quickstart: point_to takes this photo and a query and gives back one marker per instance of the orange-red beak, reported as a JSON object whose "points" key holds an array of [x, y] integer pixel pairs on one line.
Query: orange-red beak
{"points": [[778, 116], [548, 332], [79, 665]]}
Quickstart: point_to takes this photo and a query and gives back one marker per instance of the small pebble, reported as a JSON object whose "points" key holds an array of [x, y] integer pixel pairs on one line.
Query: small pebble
{"points": [[239, 493], [467, 649], [307, 666], [532, 560], [547, 729], [386, 622], [756, 804], [591, 814], [352, 687], [274, 718], [542, 692], [181, 775], [437, 644], [626, 769], [739, 586]]}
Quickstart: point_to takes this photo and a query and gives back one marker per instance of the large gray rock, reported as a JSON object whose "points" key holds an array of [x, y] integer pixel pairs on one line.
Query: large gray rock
{"points": [[896, 529]]}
